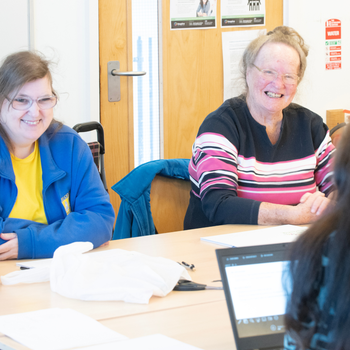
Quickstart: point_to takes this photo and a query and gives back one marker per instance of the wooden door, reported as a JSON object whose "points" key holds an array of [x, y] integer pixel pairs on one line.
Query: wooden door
{"points": [[116, 117], [192, 82]]}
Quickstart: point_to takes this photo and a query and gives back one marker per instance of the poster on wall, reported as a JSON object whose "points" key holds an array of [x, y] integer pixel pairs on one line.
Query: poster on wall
{"points": [[333, 44], [242, 13], [192, 14]]}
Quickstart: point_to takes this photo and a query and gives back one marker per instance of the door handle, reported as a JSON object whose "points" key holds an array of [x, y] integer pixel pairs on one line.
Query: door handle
{"points": [[114, 75], [115, 72]]}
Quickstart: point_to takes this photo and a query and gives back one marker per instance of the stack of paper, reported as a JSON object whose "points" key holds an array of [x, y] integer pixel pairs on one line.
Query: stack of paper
{"points": [[56, 329], [59, 329], [277, 234]]}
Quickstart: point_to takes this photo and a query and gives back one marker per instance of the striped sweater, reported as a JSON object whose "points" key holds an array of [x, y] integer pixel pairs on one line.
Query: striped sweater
{"points": [[234, 166]]}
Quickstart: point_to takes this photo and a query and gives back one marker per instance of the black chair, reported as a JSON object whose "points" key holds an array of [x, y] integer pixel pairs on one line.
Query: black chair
{"points": [[97, 148]]}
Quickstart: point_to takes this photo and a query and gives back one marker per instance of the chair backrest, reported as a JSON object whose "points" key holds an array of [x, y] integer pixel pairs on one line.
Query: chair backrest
{"points": [[155, 196], [336, 133], [169, 202], [97, 148]]}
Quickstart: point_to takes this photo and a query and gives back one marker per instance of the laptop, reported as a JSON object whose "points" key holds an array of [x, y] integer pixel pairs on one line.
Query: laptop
{"points": [[254, 292]]}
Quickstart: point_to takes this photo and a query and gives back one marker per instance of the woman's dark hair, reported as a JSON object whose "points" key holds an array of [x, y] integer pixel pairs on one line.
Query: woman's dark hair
{"points": [[17, 70], [306, 266]]}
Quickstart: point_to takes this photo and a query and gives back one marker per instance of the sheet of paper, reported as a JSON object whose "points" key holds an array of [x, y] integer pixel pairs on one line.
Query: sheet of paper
{"points": [[233, 46], [184, 15], [150, 342], [5, 347], [56, 329], [242, 13], [277, 234]]}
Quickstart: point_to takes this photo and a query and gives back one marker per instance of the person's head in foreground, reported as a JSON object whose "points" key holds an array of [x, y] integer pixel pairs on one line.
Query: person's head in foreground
{"points": [[50, 189], [318, 307], [259, 158]]}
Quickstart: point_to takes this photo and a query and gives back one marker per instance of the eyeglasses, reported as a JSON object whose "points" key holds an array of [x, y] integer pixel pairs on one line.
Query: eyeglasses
{"points": [[271, 75], [24, 103]]}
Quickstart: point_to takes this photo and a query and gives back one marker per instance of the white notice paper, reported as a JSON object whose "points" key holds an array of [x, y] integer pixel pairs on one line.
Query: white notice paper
{"points": [[278, 234], [56, 329], [150, 342], [233, 46]]}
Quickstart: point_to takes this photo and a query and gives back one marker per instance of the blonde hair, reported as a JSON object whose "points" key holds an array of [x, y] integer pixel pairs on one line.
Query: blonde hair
{"points": [[281, 34]]}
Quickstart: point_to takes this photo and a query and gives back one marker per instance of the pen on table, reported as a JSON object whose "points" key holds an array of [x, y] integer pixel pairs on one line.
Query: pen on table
{"points": [[184, 285], [187, 266]]}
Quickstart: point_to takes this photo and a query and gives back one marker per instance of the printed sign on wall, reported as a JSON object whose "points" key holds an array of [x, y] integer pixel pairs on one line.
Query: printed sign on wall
{"points": [[192, 14], [333, 44], [242, 13]]}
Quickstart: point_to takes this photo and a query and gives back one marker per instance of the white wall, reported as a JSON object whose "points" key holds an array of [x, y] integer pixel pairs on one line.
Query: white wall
{"points": [[321, 90], [66, 31], [14, 26]]}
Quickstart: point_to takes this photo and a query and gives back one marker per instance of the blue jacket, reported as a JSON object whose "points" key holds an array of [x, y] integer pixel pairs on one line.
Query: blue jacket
{"points": [[76, 205], [134, 216]]}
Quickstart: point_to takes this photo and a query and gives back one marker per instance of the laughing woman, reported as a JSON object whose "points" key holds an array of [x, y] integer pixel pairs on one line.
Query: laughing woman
{"points": [[259, 158], [50, 190]]}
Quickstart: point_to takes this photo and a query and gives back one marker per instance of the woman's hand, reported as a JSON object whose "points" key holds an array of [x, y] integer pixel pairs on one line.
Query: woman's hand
{"points": [[9, 250], [311, 206], [317, 202]]}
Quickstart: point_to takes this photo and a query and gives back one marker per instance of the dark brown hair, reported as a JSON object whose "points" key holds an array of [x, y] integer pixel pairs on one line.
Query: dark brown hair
{"points": [[306, 266]]}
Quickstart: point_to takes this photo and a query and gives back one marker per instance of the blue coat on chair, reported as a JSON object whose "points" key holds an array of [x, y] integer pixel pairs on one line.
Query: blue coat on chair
{"points": [[134, 216]]}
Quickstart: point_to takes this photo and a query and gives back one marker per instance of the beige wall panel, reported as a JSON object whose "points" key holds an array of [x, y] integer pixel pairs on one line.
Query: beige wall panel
{"points": [[193, 77]]}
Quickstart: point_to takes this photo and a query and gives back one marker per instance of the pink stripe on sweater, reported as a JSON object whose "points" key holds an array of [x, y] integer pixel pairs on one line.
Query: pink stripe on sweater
{"points": [[280, 196]]}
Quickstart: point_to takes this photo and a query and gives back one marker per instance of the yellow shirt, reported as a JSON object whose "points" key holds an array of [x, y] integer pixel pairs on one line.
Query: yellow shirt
{"points": [[29, 203]]}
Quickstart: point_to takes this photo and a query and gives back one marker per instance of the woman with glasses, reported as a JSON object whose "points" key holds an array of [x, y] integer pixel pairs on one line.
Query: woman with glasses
{"points": [[259, 158], [51, 192]]}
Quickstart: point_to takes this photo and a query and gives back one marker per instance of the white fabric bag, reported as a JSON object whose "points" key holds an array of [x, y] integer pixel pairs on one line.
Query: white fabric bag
{"points": [[112, 275]]}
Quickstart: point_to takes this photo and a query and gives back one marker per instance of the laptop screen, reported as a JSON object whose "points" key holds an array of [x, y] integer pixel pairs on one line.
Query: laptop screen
{"points": [[253, 280]]}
